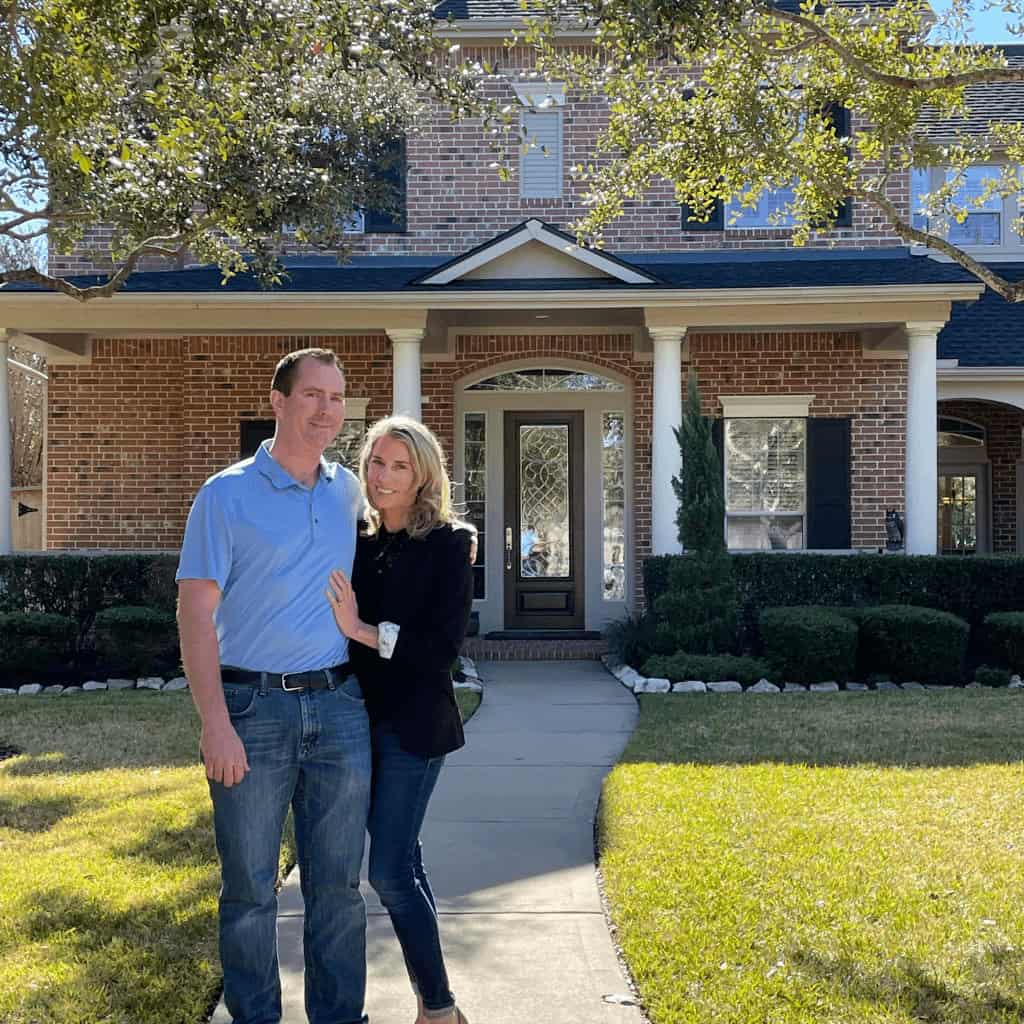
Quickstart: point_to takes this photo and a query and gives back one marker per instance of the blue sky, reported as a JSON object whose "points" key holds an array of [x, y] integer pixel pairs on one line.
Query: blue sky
{"points": [[989, 26]]}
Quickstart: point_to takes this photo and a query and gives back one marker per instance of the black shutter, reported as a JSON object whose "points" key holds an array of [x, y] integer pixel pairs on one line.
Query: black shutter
{"points": [[718, 440], [393, 167], [828, 484], [252, 434], [840, 118], [715, 221]]}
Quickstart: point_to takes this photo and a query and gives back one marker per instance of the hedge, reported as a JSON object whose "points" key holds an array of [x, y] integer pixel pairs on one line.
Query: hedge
{"points": [[78, 585], [809, 644], [1004, 632], [135, 639], [970, 588], [35, 645], [907, 643], [707, 667]]}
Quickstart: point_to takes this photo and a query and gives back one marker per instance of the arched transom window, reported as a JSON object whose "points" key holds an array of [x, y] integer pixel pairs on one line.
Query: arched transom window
{"points": [[544, 378]]}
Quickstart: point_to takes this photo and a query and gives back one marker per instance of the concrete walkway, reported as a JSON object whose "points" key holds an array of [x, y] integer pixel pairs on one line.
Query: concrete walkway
{"points": [[509, 847]]}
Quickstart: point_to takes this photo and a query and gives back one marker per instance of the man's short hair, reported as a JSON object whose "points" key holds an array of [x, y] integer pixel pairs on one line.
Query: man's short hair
{"points": [[284, 372]]}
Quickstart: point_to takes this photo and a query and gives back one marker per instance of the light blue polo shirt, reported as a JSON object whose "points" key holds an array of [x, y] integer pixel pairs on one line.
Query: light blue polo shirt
{"points": [[270, 543]]}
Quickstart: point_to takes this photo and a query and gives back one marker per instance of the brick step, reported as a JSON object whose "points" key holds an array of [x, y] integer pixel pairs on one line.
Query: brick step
{"points": [[483, 648]]}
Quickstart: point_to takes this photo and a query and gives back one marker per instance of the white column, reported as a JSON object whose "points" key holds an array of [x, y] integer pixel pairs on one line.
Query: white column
{"points": [[6, 540], [405, 354], [665, 457], [921, 471]]}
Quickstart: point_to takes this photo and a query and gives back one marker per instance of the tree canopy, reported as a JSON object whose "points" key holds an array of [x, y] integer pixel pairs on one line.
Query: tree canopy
{"points": [[206, 126], [731, 100]]}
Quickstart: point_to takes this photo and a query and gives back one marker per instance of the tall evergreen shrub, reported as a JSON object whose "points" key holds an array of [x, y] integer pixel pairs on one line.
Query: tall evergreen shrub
{"points": [[697, 612]]}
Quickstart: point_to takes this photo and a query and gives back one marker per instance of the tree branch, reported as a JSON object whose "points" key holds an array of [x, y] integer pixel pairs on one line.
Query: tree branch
{"points": [[1012, 291], [953, 80]]}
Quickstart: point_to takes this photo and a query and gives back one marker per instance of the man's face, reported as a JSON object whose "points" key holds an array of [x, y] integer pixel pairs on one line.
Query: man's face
{"points": [[313, 413]]}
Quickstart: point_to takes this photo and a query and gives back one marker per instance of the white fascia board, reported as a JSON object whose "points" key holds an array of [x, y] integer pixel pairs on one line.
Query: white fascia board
{"points": [[534, 230], [12, 308], [503, 28]]}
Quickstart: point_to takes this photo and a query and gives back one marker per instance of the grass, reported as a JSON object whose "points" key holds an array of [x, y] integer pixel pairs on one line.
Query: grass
{"points": [[468, 701], [108, 871], [851, 858]]}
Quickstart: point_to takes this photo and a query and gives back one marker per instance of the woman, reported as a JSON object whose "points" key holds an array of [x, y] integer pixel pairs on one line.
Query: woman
{"points": [[414, 584]]}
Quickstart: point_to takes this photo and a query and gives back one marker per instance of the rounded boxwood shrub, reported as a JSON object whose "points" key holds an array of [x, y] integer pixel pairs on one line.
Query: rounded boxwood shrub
{"points": [[911, 643], [34, 644], [1004, 634], [709, 668], [134, 639], [809, 643], [989, 676]]}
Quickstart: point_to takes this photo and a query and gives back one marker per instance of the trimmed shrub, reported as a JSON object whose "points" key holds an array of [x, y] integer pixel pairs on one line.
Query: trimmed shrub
{"points": [[913, 643], [135, 640], [809, 644], [707, 667], [989, 676], [697, 612], [1004, 635], [36, 644], [632, 639]]}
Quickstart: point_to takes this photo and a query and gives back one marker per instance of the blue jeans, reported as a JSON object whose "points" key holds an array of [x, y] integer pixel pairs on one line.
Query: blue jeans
{"points": [[310, 751], [402, 785]]}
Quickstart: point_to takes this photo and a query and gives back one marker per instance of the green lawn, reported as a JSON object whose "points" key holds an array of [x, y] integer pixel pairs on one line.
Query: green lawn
{"points": [[468, 701], [108, 872], [852, 858]]}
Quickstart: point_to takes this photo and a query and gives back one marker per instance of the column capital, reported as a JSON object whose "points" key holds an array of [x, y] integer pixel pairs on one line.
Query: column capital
{"points": [[924, 328], [405, 335], [667, 334]]}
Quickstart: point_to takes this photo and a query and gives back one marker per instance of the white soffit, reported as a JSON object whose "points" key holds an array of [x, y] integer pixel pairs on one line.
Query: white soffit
{"points": [[541, 241], [765, 406]]}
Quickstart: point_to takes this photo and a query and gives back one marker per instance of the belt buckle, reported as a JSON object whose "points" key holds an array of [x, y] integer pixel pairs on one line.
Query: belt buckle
{"points": [[284, 682]]}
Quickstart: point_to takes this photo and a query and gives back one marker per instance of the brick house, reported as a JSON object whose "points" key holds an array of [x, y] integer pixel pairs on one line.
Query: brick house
{"points": [[849, 377]]}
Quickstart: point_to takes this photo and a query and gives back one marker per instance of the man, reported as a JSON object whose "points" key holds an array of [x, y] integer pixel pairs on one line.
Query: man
{"points": [[283, 722]]}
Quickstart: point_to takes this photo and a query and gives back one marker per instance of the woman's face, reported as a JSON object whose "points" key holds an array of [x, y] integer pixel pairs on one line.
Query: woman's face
{"points": [[390, 477]]}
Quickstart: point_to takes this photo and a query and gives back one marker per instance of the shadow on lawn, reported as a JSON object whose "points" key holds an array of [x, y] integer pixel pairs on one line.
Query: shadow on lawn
{"points": [[187, 846], [992, 994], [906, 730], [155, 960], [35, 814]]}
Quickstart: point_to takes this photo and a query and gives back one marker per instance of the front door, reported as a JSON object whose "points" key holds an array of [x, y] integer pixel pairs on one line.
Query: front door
{"points": [[543, 553]]}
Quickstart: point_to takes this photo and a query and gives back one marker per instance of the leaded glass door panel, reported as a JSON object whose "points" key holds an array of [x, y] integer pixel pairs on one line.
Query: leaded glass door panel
{"points": [[543, 557]]}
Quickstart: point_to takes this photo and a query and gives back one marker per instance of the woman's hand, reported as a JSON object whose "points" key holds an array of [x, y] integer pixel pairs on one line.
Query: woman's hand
{"points": [[343, 603]]}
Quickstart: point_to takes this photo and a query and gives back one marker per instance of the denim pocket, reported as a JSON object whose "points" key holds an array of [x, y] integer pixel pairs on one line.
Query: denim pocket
{"points": [[351, 689], [240, 699]]}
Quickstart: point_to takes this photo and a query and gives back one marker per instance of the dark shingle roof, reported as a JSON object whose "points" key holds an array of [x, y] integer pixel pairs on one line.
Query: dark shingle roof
{"points": [[989, 332], [1004, 101]]}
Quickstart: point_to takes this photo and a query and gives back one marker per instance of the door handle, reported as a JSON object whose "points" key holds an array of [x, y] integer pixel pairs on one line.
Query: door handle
{"points": [[508, 547]]}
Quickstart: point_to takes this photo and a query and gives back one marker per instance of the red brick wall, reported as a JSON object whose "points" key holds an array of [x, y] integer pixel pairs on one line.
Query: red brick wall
{"points": [[1003, 425], [456, 200], [830, 366], [133, 434]]}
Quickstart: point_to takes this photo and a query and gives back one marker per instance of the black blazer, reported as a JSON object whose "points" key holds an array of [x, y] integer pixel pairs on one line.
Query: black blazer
{"points": [[426, 588]]}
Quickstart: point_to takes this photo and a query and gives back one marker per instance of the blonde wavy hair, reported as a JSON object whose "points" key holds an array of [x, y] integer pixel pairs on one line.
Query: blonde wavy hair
{"points": [[433, 505]]}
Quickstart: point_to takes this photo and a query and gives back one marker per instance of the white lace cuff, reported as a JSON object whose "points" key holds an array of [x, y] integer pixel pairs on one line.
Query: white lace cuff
{"points": [[387, 637]]}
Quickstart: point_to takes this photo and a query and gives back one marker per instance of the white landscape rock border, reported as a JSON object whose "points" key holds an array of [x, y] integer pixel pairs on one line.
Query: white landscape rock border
{"points": [[179, 683], [632, 680]]}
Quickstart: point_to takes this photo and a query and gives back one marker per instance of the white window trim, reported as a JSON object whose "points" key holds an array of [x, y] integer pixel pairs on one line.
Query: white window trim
{"points": [[739, 407], [355, 408], [760, 514], [1011, 245], [540, 95]]}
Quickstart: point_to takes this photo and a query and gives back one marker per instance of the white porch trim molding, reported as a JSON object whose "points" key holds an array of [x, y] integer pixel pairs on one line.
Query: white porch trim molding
{"points": [[406, 389], [921, 470], [6, 536], [665, 457]]}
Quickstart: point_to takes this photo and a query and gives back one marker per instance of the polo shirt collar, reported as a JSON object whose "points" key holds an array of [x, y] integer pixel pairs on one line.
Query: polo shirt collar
{"points": [[279, 476]]}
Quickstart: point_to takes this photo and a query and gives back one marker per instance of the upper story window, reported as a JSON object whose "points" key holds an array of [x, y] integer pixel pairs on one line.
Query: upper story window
{"points": [[989, 216], [772, 208], [541, 157]]}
